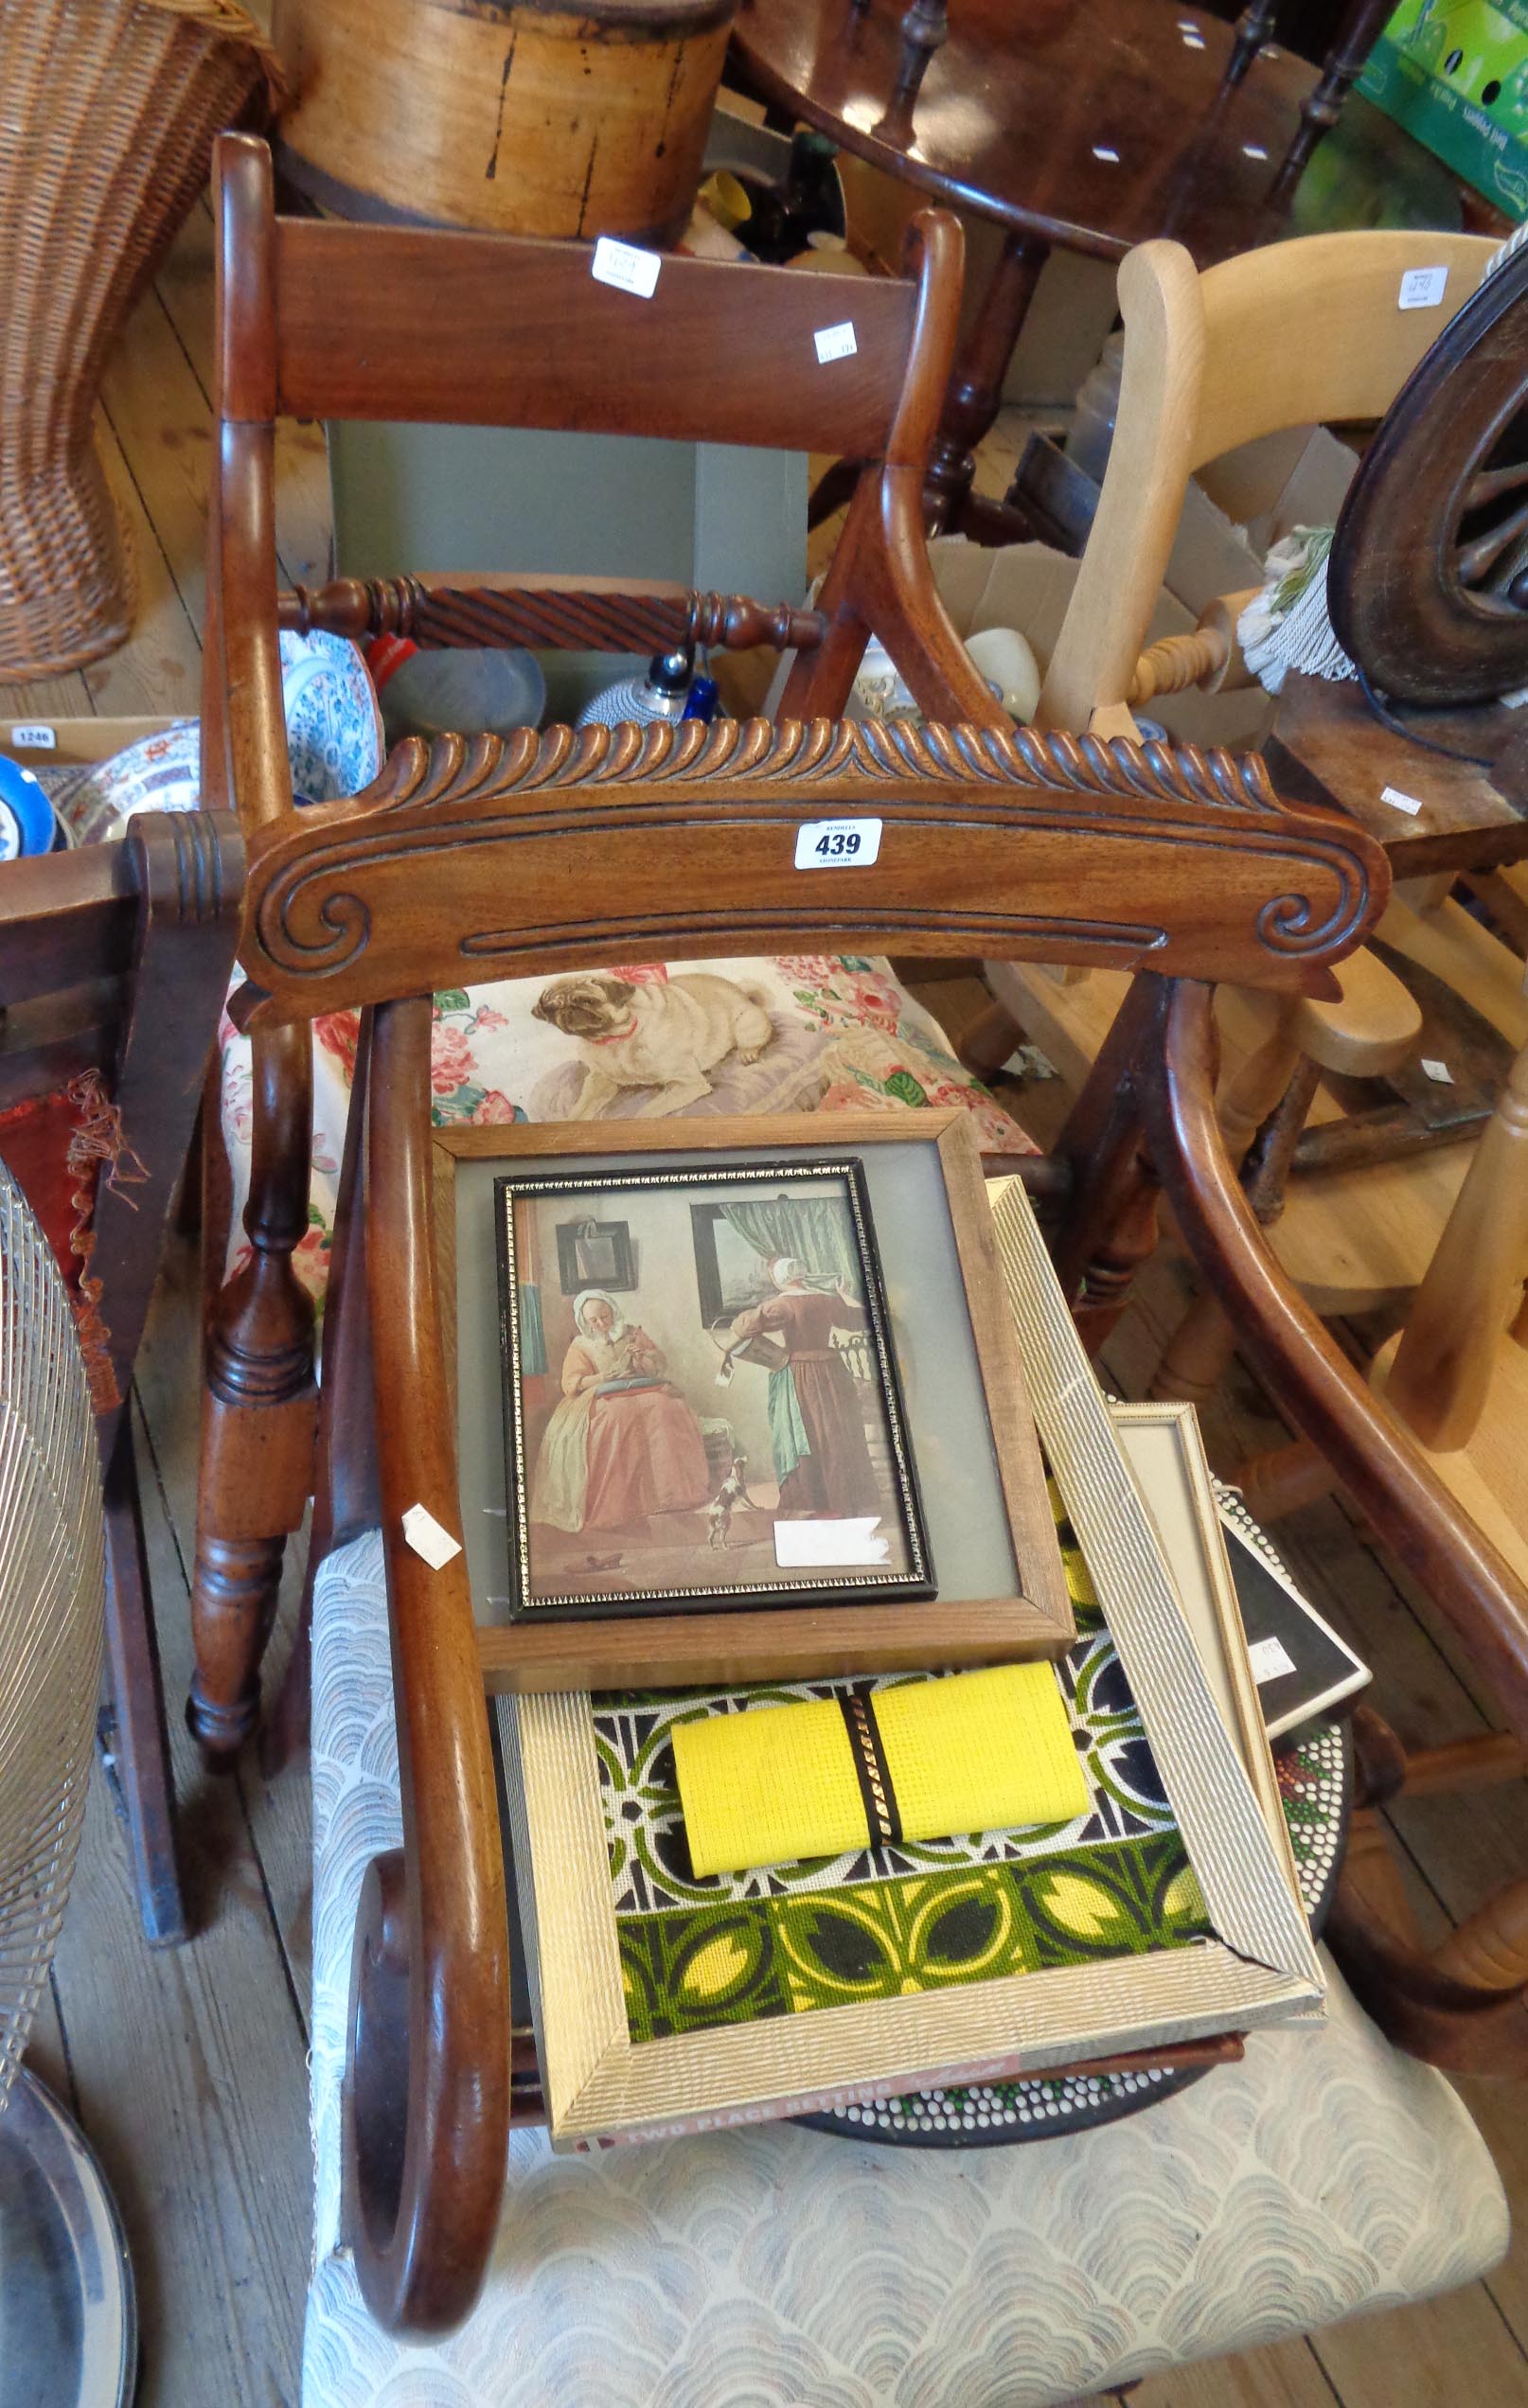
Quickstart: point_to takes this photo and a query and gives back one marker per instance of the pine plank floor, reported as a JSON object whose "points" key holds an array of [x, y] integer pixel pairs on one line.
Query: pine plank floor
{"points": [[188, 2067]]}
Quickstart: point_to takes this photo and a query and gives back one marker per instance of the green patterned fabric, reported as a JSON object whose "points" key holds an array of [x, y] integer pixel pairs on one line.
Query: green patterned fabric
{"points": [[881, 1922]]}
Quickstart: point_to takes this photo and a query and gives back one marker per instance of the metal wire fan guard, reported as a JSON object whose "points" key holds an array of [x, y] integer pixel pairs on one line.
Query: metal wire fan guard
{"points": [[67, 2325]]}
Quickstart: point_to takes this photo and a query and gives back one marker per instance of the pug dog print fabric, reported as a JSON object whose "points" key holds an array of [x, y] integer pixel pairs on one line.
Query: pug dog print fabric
{"points": [[730, 1037], [663, 1037]]}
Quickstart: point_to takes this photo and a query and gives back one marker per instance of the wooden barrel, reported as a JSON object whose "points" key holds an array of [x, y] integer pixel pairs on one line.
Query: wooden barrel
{"points": [[524, 116]]}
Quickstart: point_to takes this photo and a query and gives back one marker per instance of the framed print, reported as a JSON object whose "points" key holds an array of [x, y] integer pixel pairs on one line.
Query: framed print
{"points": [[809, 1413], [1168, 1910], [730, 1434]]}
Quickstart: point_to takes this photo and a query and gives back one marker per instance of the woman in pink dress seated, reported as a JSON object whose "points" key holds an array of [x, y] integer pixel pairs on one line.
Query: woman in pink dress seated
{"points": [[816, 1428], [615, 1453]]}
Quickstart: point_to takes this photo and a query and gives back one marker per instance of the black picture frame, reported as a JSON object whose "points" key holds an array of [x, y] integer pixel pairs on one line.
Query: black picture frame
{"points": [[810, 1588]]}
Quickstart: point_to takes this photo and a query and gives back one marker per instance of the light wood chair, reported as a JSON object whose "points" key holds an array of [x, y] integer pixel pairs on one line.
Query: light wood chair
{"points": [[1301, 333], [1456, 1372]]}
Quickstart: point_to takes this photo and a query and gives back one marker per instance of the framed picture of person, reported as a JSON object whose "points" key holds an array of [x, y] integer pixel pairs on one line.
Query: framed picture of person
{"points": [[728, 1433], [798, 1441]]}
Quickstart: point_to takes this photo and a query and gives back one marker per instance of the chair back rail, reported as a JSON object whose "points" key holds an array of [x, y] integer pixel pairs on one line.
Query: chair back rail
{"points": [[324, 320], [548, 345], [556, 851], [546, 613]]}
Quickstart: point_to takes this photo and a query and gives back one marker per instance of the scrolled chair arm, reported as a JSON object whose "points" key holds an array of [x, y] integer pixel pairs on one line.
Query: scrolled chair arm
{"points": [[1306, 1372], [427, 2095]]}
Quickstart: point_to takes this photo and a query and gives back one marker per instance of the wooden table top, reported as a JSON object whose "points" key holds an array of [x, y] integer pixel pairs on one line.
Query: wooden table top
{"points": [[1090, 124]]}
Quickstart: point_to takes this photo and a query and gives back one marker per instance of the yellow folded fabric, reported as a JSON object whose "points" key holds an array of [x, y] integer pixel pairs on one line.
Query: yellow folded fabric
{"points": [[979, 1751]]}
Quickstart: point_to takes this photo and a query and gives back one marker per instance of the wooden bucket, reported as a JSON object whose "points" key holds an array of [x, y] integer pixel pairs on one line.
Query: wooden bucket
{"points": [[522, 115]]}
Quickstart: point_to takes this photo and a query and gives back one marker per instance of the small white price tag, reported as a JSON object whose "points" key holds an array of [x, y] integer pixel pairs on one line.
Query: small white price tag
{"points": [[627, 267], [1399, 802], [798, 1544], [837, 844], [1422, 287], [427, 1537], [1270, 1660], [836, 342], [36, 738], [1438, 1071]]}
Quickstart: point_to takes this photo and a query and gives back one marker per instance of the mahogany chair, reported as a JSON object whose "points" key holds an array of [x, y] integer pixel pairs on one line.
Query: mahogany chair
{"points": [[1182, 867], [114, 964], [322, 320]]}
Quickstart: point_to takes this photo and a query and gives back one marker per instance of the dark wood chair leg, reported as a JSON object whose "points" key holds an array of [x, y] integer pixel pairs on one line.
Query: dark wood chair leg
{"points": [[259, 1413], [1340, 69], [346, 1499], [133, 1721], [1110, 1224], [990, 1041], [975, 394]]}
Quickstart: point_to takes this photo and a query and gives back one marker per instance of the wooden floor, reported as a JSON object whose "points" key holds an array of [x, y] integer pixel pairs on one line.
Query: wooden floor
{"points": [[188, 2069]]}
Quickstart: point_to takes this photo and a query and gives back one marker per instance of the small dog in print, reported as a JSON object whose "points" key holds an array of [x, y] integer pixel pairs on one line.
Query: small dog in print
{"points": [[733, 1493], [665, 1037]]}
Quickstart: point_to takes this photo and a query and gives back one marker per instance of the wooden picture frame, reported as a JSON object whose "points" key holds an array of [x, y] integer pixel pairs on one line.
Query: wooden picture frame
{"points": [[666, 1649], [700, 1568], [1171, 1607]]}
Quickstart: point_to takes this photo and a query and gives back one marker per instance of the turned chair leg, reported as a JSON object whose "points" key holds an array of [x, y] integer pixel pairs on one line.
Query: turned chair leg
{"points": [[990, 1039], [259, 1413]]}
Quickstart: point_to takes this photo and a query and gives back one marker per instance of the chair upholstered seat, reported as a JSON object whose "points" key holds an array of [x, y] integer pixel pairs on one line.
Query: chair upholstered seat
{"points": [[774, 2267], [786, 1034]]}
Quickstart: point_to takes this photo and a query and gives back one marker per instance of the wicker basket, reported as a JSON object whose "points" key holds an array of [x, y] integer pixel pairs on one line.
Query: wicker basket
{"points": [[107, 113]]}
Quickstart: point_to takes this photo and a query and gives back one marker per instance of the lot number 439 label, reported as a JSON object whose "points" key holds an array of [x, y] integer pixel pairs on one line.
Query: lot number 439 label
{"points": [[837, 844]]}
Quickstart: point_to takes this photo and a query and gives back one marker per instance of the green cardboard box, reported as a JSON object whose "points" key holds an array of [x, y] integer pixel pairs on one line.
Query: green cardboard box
{"points": [[1454, 73]]}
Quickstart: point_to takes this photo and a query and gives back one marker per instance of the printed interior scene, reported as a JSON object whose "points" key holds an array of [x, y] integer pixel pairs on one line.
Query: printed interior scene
{"points": [[698, 1366]]}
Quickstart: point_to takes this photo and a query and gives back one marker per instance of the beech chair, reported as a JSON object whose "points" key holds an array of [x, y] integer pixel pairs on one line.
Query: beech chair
{"points": [[1300, 333], [322, 320], [114, 964], [1456, 1376], [461, 851]]}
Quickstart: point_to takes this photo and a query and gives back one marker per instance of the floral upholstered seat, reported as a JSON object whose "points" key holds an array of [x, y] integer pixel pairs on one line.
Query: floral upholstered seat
{"points": [[791, 1034]]}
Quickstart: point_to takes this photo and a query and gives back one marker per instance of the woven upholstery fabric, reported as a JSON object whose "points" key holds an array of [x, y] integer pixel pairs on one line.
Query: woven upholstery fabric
{"points": [[773, 2267], [982, 1751], [845, 1035]]}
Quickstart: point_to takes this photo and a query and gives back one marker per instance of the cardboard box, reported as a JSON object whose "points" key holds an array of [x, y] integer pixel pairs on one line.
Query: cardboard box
{"points": [[1454, 73], [65, 744], [1233, 514]]}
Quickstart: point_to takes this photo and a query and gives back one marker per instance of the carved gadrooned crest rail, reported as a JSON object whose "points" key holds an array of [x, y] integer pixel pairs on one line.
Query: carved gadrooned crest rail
{"points": [[480, 856]]}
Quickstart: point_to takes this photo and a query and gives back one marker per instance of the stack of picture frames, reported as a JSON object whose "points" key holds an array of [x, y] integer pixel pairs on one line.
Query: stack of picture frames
{"points": [[793, 1411]]}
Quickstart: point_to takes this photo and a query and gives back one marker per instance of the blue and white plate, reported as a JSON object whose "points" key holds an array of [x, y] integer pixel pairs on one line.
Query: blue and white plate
{"points": [[334, 740], [334, 730]]}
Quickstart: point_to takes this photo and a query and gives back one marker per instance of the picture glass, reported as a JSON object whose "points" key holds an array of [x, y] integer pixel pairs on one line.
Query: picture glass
{"points": [[717, 1422]]}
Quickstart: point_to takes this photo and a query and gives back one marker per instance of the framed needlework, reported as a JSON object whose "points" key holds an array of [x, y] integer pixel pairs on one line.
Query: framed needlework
{"points": [[1167, 1910], [798, 1442]]}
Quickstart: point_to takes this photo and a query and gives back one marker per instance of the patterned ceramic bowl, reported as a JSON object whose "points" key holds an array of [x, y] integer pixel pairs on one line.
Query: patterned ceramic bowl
{"points": [[334, 740], [334, 730]]}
